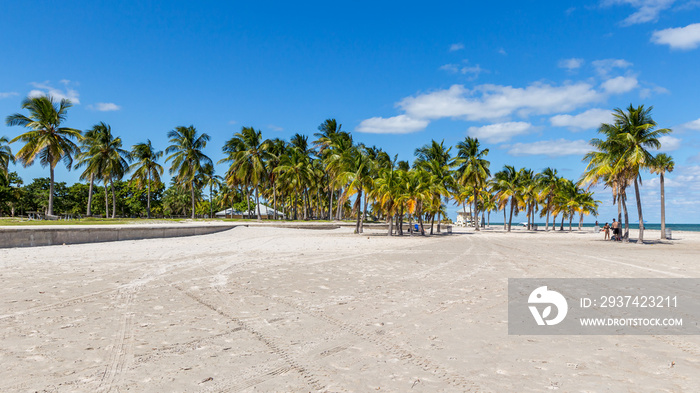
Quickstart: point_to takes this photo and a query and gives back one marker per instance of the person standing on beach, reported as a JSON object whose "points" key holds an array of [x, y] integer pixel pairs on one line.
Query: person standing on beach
{"points": [[606, 229], [616, 230]]}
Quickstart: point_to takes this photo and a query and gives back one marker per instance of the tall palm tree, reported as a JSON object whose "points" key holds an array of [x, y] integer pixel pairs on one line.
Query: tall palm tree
{"points": [[105, 157], [295, 171], [247, 155], [146, 168], [437, 160], [547, 182], [507, 187], [47, 140], [6, 156], [605, 165], [212, 180], [639, 133], [275, 149], [91, 172], [187, 155], [355, 174], [661, 164], [474, 170]]}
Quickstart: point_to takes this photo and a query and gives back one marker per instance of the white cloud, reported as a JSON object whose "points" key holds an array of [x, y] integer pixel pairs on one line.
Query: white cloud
{"points": [[678, 38], [490, 102], [693, 125], [105, 107], [274, 127], [570, 64], [647, 10], [552, 148], [590, 119], [503, 52], [456, 47], [473, 71], [44, 89], [606, 66], [500, 132], [669, 143], [647, 92], [8, 94], [620, 84], [400, 124]]}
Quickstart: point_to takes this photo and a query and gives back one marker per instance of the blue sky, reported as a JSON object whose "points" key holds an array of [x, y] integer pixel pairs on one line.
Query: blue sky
{"points": [[531, 81]]}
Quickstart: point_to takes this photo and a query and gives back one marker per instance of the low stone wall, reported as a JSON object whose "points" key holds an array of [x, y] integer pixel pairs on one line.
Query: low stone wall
{"points": [[40, 236]]}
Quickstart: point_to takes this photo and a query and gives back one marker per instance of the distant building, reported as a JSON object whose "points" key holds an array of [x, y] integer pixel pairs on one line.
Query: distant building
{"points": [[266, 212], [464, 219]]}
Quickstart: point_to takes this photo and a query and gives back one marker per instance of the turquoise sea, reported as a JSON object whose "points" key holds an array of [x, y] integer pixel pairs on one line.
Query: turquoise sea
{"points": [[652, 226]]}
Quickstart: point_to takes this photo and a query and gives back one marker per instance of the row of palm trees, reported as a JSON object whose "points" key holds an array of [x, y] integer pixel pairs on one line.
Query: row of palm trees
{"points": [[333, 177]]}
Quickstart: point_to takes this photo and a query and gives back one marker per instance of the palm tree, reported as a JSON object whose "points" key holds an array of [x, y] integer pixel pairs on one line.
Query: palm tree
{"points": [[474, 170], [295, 172], [6, 156], [104, 157], [47, 139], [354, 174], [605, 165], [547, 182], [661, 164], [212, 181], [247, 155], [437, 160], [639, 133], [84, 159], [507, 187], [585, 205], [188, 158], [146, 168], [275, 149]]}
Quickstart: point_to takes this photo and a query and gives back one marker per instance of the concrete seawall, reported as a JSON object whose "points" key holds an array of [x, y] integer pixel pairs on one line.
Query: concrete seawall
{"points": [[49, 236]]}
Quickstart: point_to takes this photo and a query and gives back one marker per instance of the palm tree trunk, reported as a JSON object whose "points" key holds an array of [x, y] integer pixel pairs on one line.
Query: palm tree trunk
{"points": [[257, 203], [295, 204], [247, 201], [114, 199], [476, 212], [420, 219], [561, 227], [626, 237], [192, 196], [330, 204], [358, 210], [580, 221], [505, 222], [554, 223], [571, 218], [364, 214], [663, 206], [432, 223], [639, 211], [488, 215], [106, 199], [50, 209], [211, 201], [148, 199], [274, 199], [510, 219], [391, 224], [546, 224], [439, 221], [89, 203]]}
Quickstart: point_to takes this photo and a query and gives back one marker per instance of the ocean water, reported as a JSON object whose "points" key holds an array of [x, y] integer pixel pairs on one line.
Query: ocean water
{"points": [[652, 226]]}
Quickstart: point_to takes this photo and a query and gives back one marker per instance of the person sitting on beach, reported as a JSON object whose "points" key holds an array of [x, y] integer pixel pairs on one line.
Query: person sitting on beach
{"points": [[616, 230], [606, 229]]}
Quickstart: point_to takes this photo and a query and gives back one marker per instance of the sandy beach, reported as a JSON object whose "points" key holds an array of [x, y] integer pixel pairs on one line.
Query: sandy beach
{"points": [[294, 310]]}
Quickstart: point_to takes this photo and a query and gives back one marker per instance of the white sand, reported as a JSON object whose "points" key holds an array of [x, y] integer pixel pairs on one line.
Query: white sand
{"points": [[266, 309]]}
